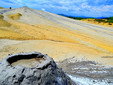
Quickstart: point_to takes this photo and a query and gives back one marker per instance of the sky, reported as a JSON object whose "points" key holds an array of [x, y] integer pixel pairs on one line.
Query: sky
{"points": [[84, 8]]}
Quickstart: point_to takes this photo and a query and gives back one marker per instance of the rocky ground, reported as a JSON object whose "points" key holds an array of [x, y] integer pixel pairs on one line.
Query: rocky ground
{"points": [[87, 72]]}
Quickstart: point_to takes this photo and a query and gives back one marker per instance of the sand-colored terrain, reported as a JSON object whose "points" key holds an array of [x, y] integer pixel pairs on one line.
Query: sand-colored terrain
{"points": [[57, 36]]}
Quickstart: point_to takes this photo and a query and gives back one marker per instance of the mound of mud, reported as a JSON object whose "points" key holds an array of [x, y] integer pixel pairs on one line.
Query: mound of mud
{"points": [[31, 68]]}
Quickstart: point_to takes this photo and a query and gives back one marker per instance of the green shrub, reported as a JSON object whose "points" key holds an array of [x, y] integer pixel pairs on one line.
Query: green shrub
{"points": [[110, 20]]}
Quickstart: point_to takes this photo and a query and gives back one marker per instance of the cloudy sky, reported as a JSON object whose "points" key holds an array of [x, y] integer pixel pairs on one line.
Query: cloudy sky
{"points": [[88, 8]]}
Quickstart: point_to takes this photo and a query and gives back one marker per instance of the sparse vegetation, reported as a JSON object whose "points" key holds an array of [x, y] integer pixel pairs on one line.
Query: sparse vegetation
{"points": [[110, 20], [103, 21], [100, 20], [15, 16]]}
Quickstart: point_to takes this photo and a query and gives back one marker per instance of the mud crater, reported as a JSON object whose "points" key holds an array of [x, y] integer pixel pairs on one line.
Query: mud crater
{"points": [[30, 60]]}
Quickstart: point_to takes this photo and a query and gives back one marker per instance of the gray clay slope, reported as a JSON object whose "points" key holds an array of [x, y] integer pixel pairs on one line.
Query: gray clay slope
{"points": [[45, 73]]}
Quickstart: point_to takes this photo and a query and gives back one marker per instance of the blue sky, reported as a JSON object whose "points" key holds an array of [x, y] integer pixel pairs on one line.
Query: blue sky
{"points": [[88, 8]]}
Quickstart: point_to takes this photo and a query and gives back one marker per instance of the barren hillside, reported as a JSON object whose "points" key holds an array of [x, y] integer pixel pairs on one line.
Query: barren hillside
{"points": [[26, 29]]}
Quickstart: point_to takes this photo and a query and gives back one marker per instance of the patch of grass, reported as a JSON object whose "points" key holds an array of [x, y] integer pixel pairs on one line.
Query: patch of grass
{"points": [[15, 16]]}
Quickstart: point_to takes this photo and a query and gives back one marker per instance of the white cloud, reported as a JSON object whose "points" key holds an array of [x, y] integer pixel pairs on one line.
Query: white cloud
{"points": [[85, 7], [43, 9]]}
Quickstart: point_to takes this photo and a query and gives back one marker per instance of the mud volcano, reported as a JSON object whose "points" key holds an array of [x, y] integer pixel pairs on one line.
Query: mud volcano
{"points": [[31, 68]]}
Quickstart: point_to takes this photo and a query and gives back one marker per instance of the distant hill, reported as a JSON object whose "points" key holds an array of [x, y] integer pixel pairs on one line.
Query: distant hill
{"points": [[108, 20], [84, 17]]}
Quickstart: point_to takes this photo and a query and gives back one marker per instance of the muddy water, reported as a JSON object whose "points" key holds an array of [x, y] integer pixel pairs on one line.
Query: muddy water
{"points": [[28, 62]]}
